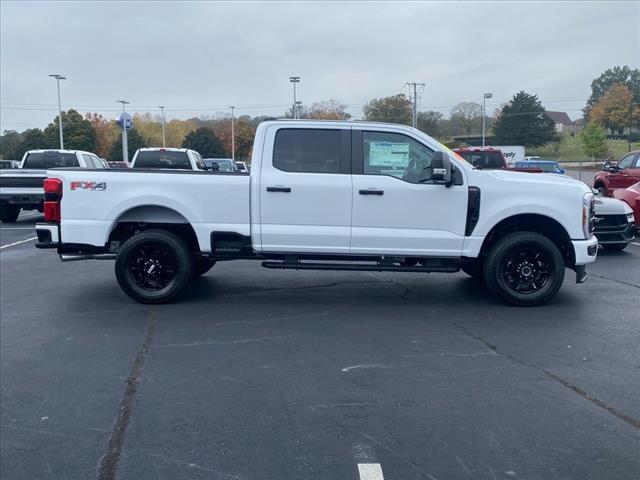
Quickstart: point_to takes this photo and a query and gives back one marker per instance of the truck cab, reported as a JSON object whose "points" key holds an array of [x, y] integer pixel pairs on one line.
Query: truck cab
{"points": [[168, 158]]}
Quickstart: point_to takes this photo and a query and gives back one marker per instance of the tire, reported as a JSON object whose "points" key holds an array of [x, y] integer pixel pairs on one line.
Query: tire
{"points": [[9, 213], [524, 269], [202, 266], [614, 247], [154, 266], [473, 269]]}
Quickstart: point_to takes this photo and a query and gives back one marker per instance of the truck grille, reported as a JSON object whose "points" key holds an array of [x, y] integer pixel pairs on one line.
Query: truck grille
{"points": [[610, 222], [21, 182]]}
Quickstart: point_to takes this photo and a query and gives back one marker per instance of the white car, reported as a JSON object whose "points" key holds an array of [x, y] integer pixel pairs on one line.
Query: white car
{"points": [[330, 196], [614, 223]]}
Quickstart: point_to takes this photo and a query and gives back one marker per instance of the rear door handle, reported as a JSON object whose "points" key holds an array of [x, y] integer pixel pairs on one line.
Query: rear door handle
{"points": [[371, 192], [279, 189]]}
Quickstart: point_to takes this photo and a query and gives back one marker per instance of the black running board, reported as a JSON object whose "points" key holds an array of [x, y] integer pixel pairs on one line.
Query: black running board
{"points": [[442, 266]]}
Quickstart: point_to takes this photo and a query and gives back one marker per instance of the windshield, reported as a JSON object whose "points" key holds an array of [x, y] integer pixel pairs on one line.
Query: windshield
{"points": [[46, 160], [546, 167], [484, 160], [162, 159]]}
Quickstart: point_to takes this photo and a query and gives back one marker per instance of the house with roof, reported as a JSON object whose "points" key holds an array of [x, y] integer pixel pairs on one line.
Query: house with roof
{"points": [[563, 123]]}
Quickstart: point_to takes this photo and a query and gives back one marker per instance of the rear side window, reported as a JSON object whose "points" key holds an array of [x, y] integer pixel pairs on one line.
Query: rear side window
{"points": [[46, 160], [162, 159], [307, 151]]}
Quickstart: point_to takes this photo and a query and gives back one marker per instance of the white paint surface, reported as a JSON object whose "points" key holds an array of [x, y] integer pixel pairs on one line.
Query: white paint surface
{"points": [[17, 243], [370, 471]]}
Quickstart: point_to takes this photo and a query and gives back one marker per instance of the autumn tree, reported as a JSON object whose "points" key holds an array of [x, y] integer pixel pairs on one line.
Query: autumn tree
{"points": [[468, 115], [106, 133], [394, 109], [134, 142], [205, 142], [617, 75], [176, 131], [150, 127], [325, 110], [78, 132], [244, 131], [613, 110], [524, 121], [594, 140]]}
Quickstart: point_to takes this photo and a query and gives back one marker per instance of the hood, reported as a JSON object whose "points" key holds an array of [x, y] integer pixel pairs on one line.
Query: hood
{"points": [[539, 177], [611, 206]]}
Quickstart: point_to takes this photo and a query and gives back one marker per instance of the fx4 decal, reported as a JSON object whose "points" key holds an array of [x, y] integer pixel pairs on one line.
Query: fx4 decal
{"points": [[93, 186]]}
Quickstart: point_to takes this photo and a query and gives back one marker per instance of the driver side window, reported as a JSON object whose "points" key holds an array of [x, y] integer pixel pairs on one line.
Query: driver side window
{"points": [[396, 155], [626, 162]]}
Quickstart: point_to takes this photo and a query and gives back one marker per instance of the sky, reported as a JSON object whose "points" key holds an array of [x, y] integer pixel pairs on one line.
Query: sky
{"points": [[198, 58]]}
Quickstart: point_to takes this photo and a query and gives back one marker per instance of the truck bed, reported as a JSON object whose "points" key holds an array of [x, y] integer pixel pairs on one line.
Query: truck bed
{"points": [[94, 201]]}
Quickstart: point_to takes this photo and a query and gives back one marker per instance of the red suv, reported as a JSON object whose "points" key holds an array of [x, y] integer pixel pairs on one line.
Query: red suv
{"points": [[621, 175]]}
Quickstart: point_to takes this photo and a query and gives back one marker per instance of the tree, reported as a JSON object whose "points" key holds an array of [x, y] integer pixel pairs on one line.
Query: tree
{"points": [[150, 127], [205, 142], [613, 110], [616, 75], [177, 130], [33, 139], [429, 122], [244, 131], [10, 143], [106, 133], [468, 114], [394, 109], [134, 142], [325, 110], [78, 132], [594, 140], [523, 121]]}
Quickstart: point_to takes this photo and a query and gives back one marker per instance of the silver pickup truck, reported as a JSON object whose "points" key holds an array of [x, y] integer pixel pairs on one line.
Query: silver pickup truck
{"points": [[21, 188]]}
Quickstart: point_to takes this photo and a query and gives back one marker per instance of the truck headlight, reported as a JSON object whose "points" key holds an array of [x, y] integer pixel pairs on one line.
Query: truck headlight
{"points": [[588, 214]]}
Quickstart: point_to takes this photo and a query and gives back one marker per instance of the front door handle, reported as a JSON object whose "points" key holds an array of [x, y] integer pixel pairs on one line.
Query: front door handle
{"points": [[279, 189], [371, 192]]}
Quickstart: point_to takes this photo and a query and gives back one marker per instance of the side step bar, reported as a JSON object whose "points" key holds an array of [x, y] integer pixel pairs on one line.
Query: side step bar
{"points": [[74, 257], [443, 266]]}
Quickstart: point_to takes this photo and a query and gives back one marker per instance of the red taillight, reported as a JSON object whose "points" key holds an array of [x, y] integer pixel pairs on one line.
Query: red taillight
{"points": [[52, 197]]}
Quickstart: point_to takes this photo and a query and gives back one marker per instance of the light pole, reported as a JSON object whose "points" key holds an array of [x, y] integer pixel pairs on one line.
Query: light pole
{"points": [[233, 134], [164, 143], [484, 111], [125, 146], [58, 78], [294, 80]]}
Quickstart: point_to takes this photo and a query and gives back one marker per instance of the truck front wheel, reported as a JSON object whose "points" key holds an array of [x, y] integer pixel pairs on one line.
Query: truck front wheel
{"points": [[154, 266], [9, 213], [524, 268]]}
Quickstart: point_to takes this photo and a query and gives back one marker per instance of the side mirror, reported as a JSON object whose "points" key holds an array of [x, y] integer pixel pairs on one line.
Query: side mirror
{"points": [[562, 171], [606, 166], [215, 167], [441, 168]]}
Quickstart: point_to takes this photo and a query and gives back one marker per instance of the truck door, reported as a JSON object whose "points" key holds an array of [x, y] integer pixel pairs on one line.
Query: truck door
{"points": [[305, 190], [397, 209]]}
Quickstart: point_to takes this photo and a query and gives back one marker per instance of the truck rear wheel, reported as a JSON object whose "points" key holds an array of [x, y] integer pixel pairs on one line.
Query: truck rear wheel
{"points": [[9, 213], [524, 268], [154, 266]]}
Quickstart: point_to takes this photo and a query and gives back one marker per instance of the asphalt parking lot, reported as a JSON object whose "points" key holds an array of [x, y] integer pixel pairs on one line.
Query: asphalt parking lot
{"points": [[261, 374]]}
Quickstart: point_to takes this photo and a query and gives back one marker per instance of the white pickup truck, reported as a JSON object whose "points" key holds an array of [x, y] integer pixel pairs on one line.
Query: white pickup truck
{"points": [[331, 196], [171, 158], [21, 188]]}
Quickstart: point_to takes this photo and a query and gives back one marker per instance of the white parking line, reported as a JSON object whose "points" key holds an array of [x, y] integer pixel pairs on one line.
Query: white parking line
{"points": [[370, 471], [17, 243], [634, 243]]}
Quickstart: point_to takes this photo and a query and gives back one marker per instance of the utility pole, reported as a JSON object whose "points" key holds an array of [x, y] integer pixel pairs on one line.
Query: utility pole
{"points": [[125, 145], [58, 78], [415, 86], [164, 143], [233, 134], [295, 80]]}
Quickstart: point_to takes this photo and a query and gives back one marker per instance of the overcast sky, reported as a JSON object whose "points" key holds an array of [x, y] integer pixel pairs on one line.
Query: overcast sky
{"points": [[199, 57]]}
